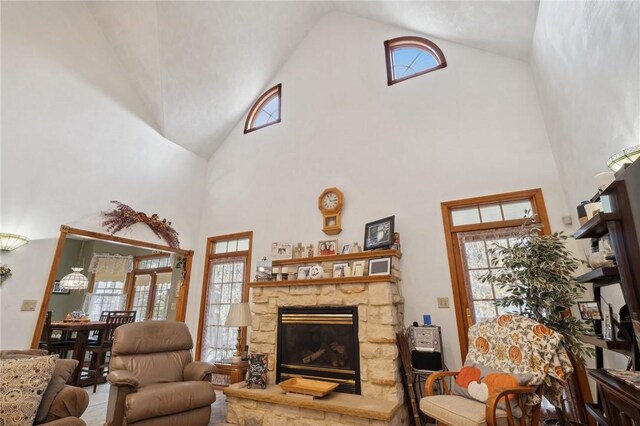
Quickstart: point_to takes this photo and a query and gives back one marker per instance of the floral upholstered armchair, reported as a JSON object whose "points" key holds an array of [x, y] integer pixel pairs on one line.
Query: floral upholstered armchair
{"points": [[512, 362]]}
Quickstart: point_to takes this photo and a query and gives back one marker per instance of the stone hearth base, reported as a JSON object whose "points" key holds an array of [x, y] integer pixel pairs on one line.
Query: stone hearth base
{"points": [[271, 407]]}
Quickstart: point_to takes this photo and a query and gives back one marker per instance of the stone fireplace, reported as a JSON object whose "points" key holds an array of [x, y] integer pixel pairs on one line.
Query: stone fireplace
{"points": [[342, 329], [319, 343]]}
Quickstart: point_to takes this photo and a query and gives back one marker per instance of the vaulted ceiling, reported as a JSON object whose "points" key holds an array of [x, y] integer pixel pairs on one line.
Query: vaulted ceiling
{"points": [[198, 66]]}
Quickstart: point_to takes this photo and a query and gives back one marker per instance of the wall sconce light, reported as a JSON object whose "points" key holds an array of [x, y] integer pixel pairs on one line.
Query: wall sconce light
{"points": [[626, 156], [10, 242]]}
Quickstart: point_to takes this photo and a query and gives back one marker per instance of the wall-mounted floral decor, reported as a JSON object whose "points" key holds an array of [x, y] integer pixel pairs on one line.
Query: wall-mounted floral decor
{"points": [[5, 273], [124, 216]]}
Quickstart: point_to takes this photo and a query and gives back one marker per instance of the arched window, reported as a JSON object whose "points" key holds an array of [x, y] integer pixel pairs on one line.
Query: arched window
{"points": [[409, 57], [266, 110]]}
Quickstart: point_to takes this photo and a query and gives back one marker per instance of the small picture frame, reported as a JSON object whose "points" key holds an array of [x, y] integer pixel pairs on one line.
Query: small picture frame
{"points": [[327, 247], [303, 272], [346, 249], [357, 268], [590, 311], [380, 266], [58, 290], [281, 251], [339, 269], [379, 234]]}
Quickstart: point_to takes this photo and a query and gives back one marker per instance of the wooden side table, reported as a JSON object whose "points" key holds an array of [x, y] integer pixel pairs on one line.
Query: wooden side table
{"points": [[236, 372]]}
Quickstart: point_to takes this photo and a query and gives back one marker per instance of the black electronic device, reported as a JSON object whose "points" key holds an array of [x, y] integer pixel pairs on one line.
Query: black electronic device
{"points": [[426, 348]]}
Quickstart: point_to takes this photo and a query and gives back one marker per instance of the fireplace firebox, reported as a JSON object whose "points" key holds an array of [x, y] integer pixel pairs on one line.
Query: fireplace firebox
{"points": [[319, 343]]}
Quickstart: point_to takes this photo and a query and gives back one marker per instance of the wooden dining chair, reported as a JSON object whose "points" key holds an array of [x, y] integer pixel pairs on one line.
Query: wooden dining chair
{"points": [[53, 345], [101, 349]]}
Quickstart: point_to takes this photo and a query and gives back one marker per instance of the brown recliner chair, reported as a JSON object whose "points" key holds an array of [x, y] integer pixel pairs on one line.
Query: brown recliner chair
{"points": [[153, 379]]}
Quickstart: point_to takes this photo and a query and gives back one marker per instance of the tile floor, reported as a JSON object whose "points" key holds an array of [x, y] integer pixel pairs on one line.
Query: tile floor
{"points": [[97, 411]]}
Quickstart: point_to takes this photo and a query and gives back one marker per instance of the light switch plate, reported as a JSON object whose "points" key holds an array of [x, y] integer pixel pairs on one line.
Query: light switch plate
{"points": [[173, 307], [28, 305], [443, 302]]}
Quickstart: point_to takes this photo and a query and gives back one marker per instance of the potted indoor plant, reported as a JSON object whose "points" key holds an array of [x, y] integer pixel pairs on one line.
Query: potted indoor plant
{"points": [[536, 272]]}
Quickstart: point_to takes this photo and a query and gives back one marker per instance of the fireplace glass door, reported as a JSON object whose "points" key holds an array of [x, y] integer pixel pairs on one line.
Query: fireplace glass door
{"points": [[319, 343]]}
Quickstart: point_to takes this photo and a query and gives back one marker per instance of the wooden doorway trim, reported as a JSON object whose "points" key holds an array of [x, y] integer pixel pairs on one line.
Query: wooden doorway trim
{"points": [[460, 296], [67, 230], [209, 256]]}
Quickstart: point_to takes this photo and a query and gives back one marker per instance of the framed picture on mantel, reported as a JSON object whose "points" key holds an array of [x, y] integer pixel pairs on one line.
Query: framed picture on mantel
{"points": [[379, 234]]}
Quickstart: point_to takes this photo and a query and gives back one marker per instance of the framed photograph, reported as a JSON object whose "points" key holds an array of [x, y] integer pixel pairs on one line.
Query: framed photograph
{"points": [[380, 266], [303, 272], [327, 247], [339, 269], [346, 248], [379, 234], [590, 310], [357, 268], [281, 251], [58, 290]]}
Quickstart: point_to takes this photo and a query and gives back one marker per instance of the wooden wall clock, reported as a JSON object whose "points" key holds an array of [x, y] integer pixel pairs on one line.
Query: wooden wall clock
{"points": [[330, 204]]}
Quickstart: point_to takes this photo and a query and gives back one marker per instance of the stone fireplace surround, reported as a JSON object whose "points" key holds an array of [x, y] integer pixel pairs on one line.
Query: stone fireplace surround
{"points": [[380, 308]]}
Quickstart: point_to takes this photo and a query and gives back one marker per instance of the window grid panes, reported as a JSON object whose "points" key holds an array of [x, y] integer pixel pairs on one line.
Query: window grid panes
{"points": [[495, 212], [163, 285], [265, 111], [225, 286], [474, 248], [141, 296], [155, 263], [230, 246], [106, 296], [410, 60]]}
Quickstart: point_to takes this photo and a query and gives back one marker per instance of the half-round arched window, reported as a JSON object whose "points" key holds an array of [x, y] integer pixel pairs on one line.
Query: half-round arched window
{"points": [[409, 57], [266, 110]]}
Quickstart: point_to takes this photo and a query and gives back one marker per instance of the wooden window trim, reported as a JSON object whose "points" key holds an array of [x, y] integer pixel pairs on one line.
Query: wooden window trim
{"points": [[263, 99], [211, 241], [413, 41], [455, 268]]}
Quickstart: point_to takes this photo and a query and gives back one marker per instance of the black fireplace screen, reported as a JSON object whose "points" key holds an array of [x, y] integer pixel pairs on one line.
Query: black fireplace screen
{"points": [[319, 343]]}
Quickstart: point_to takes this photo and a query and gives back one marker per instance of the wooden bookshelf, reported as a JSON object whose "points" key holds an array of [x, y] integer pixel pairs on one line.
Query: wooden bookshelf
{"points": [[601, 277], [623, 347], [597, 226], [330, 281]]}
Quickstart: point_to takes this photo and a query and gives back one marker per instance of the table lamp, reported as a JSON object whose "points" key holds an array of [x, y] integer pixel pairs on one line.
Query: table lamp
{"points": [[239, 316]]}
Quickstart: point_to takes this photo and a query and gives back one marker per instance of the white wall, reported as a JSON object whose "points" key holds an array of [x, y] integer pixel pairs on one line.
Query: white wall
{"points": [[471, 129], [586, 65], [75, 137]]}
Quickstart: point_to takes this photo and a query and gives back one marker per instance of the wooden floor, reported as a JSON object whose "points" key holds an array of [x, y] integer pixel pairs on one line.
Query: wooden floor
{"points": [[97, 411]]}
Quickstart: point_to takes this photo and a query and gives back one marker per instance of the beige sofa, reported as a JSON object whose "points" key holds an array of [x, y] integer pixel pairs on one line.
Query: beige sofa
{"points": [[153, 379], [61, 405]]}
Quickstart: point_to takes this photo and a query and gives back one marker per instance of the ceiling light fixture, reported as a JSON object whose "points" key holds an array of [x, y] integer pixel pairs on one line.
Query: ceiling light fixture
{"points": [[75, 280], [626, 156], [10, 242]]}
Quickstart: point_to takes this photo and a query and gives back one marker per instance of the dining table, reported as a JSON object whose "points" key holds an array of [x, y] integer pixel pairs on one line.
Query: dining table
{"points": [[82, 329]]}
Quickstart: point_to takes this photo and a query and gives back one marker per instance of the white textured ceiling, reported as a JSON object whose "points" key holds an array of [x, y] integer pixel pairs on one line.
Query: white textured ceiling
{"points": [[198, 66]]}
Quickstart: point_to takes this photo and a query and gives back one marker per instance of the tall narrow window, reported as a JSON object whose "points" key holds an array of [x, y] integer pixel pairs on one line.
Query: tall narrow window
{"points": [[151, 287], [226, 276], [472, 226], [409, 57], [266, 110]]}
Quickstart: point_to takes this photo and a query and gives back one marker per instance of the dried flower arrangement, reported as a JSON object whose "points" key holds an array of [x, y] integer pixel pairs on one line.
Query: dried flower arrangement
{"points": [[124, 216], [5, 273]]}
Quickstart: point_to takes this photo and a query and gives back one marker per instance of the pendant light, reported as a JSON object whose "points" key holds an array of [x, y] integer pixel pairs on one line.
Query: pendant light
{"points": [[75, 280]]}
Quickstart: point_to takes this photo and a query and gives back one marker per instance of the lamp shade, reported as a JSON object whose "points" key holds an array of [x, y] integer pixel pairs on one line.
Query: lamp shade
{"points": [[10, 242], [74, 280], [625, 156], [239, 315]]}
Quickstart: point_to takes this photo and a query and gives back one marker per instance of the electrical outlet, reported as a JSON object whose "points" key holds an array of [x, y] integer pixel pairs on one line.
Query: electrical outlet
{"points": [[443, 302], [28, 305]]}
